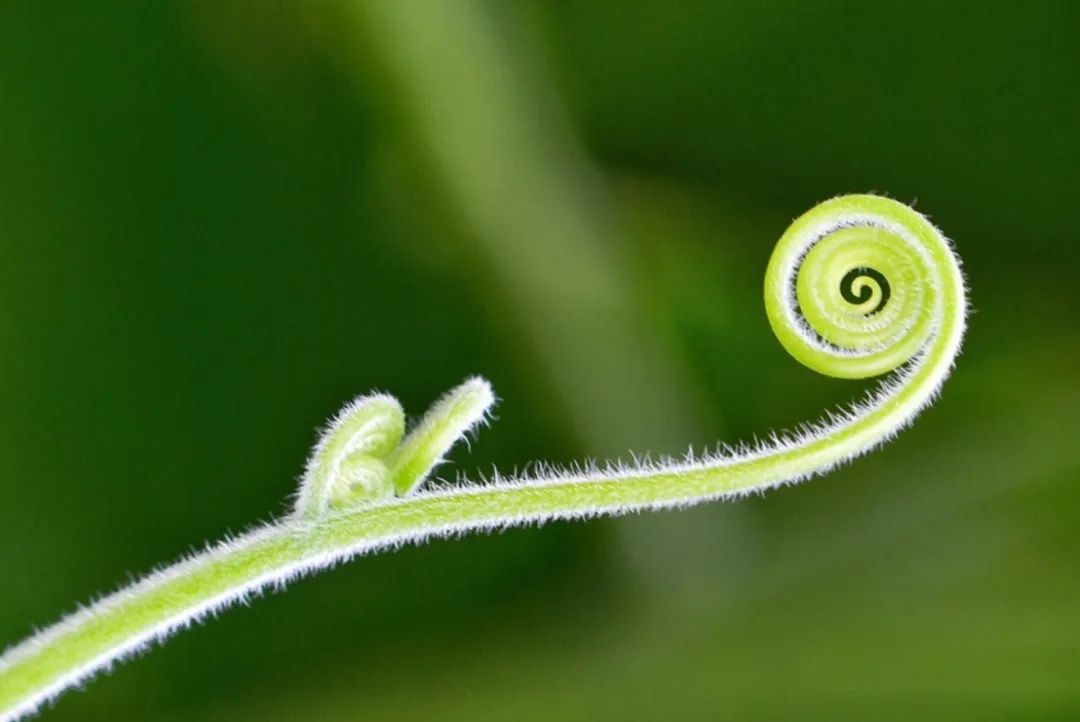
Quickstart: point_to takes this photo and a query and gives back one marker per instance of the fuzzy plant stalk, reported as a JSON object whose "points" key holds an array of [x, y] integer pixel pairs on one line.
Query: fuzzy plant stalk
{"points": [[858, 286]]}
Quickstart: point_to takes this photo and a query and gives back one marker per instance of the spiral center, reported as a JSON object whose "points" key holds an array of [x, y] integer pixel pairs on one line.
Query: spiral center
{"points": [[855, 289]]}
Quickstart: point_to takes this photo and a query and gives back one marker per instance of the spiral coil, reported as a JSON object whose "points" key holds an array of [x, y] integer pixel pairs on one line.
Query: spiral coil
{"points": [[860, 285]]}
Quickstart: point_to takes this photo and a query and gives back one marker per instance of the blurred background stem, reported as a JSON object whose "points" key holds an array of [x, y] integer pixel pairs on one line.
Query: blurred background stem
{"points": [[541, 240]]}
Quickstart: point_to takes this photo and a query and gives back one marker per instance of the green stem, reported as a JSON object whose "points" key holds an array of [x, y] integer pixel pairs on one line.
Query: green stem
{"points": [[816, 251]]}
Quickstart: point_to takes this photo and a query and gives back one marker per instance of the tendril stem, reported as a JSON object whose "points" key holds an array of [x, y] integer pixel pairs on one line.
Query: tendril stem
{"points": [[858, 286]]}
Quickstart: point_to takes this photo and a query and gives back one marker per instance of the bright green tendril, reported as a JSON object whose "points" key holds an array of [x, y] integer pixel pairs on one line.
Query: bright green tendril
{"points": [[866, 291], [858, 286]]}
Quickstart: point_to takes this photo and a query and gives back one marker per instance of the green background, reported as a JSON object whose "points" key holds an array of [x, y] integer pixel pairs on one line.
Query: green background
{"points": [[221, 220]]}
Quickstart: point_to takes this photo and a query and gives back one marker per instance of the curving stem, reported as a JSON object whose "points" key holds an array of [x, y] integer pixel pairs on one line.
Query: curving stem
{"points": [[858, 286]]}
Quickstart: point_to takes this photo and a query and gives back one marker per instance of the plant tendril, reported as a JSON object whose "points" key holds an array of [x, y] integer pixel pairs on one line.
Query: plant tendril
{"points": [[858, 286], [856, 290]]}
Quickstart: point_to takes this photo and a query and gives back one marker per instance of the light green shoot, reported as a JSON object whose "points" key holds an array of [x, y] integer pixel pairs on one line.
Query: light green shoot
{"points": [[449, 420], [858, 286]]}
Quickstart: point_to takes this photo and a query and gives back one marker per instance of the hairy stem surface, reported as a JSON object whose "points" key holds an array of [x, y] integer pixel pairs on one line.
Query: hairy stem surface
{"points": [[858, 286]]}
